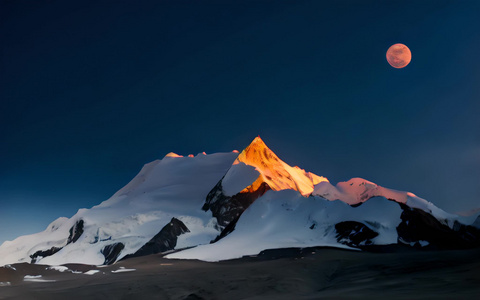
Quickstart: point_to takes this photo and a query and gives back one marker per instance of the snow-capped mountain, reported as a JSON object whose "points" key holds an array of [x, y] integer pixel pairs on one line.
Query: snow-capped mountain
{"points": [[227, 205]]}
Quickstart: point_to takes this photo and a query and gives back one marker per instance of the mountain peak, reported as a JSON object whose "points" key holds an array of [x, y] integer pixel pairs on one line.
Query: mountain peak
{"points": [[162, 209], [275, 172]]}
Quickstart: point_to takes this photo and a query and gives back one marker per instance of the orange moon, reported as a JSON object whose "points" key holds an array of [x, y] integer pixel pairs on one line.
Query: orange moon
{"points": [[399, 56]]}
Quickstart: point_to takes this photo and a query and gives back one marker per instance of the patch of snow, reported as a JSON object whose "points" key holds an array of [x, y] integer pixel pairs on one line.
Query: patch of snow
{"points": [[423, 243], [32, 276], [91, 272], [38, 280], [201, 232], [5, 283], [238, 177], [58, 268], [122, 269]]}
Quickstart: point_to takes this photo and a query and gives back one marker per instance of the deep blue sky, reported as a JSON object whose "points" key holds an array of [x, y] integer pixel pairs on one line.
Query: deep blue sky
{"points": [[89, 92]]}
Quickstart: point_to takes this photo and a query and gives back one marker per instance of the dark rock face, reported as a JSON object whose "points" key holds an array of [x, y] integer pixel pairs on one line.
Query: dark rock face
{"points": [[227, 209], [214, 202], [477, 223], [44, 253], [163, 241], [227, 230], [111, 252], [354, 234], [418, 225], [75, 232]]}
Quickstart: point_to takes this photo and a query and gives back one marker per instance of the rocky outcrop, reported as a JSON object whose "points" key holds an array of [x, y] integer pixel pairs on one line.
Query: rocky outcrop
{"points": [[273, 174], [75, 232], [227, 209], [44, 253], [215, 201], [354, 234], [163, 241], [111, 252], [421, 229]]}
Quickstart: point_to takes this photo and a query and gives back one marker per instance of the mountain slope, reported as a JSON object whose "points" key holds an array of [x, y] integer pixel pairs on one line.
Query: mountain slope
{"points": [[163, 189], [255, 171], [230, 205], [287, 219]]}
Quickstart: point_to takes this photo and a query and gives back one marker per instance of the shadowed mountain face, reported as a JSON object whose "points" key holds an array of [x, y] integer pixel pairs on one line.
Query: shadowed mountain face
{"points": [[228, 209], [228, 205], [477, 223], [419, 227], [75, 232], [354, 234], [111, 252]]}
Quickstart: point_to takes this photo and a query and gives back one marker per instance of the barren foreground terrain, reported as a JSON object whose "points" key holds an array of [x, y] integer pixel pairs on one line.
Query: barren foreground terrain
{"points": [[280, 274]]}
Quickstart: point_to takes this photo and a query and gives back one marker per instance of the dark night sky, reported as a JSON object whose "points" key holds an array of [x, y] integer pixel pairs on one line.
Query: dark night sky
{"points": [[89, 92]]}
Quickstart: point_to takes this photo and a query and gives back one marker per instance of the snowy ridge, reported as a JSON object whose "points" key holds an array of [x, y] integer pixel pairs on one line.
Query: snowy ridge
{"points": [[358, 190], [287, 219]]}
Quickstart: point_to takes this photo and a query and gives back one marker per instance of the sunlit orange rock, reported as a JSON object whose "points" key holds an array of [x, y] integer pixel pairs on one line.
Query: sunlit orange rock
{"points": [[274, 172]]}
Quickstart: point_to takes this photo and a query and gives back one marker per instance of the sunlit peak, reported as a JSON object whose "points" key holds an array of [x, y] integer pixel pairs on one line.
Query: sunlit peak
{"points": [[276, 173]]}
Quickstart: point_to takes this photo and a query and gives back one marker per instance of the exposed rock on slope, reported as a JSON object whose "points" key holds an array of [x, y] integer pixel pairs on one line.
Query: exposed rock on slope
{"points": [[163, 241], [111, 252], [251, 201], [419, 228], [75, 232], [270, 173]]}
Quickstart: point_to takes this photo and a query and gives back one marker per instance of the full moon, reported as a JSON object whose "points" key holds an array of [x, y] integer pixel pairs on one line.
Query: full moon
{"points": [[399, 56]]}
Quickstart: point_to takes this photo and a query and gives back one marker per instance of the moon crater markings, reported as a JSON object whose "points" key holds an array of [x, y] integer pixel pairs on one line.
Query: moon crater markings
{"points": [[399, 56]]}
